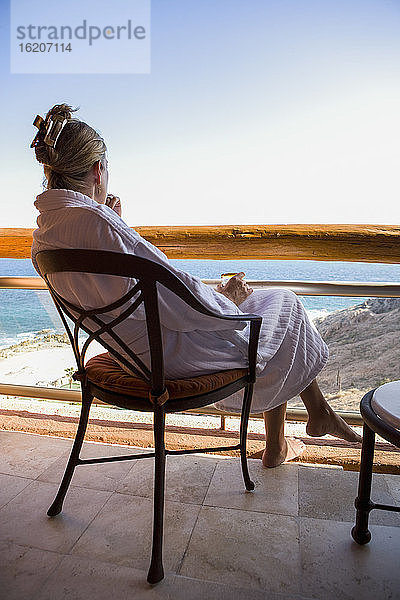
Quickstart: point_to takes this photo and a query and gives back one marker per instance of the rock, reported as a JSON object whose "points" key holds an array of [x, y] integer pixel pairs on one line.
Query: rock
{"points": [[381, 305], [41, 340], [363, 342]]}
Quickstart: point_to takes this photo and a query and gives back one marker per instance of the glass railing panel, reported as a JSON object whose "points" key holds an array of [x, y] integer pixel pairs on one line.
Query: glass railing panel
{"points": [[363, 347], [34, 347], [360, 333], [362, 340]]}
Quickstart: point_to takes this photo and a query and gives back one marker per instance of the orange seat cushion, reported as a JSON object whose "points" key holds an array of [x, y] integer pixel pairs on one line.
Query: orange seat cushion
{"points": [[104, 371]]}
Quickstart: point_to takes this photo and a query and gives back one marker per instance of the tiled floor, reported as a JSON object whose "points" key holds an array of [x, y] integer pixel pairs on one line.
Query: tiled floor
{"points": [[289, 539]]}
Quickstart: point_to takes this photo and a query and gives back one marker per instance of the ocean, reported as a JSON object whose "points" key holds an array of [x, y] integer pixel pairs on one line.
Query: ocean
{"points": [[24, 313]]}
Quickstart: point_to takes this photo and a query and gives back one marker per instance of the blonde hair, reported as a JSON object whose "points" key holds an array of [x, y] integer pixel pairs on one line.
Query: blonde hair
{"points": [[77, 148]]}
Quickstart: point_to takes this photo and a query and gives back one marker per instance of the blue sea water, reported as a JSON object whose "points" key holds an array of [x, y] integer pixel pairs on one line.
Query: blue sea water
{"points": [[23, 313]]}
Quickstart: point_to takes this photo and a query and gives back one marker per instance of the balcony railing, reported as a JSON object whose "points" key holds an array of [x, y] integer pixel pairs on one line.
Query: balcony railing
{"points": [[305, 288], [352, 243]]}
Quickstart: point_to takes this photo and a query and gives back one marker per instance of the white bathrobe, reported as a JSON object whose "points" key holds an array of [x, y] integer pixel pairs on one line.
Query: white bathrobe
{"points": [[291, 352]]}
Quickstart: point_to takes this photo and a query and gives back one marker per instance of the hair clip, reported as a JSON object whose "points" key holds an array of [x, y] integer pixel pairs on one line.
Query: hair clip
{"points": [[53, 125], [38, 122]]}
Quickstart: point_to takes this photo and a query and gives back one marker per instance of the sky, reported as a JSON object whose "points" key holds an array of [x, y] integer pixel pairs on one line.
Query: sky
{"points": [[256, 112]]}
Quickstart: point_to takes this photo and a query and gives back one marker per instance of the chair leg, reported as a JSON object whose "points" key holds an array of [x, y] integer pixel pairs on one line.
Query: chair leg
{"points": [[156, 571], [243, 436], [363, 504], [56, 507]]}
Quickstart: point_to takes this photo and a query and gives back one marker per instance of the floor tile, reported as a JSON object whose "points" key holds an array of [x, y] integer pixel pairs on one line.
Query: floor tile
{"points": [[23, 570], [187, 478], [248, 549], [122, 532], [28, 455], [79, 578], [393, 482], [24, 519], [105, 476], [186, 588], [330, 494], [275, 489], [10, 486], [334, 566]]}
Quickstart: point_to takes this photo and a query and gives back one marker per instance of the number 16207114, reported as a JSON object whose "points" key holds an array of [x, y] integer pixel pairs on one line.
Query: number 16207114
{"points": [[45, 47]]}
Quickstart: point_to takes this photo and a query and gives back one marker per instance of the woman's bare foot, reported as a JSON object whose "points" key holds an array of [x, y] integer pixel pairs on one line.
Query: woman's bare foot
{"points": [[291, 449], [329, 422]]}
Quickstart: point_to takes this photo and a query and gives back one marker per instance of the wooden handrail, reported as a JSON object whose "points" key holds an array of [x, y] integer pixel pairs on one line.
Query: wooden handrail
{"points": [[354, 243]]}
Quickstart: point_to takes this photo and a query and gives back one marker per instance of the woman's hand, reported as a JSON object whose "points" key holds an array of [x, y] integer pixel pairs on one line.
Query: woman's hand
{"points": [[235, 289], [114, 202]]}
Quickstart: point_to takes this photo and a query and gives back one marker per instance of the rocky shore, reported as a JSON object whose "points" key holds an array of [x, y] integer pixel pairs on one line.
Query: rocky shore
{"points": [[42, 340], [364, 350]]}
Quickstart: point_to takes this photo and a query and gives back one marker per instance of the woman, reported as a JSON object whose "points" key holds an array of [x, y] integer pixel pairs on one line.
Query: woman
{"points": [[76, 212]]}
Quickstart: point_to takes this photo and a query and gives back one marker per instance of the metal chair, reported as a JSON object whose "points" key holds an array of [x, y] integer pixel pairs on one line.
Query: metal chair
{"points": [[149, 390], [380, 410]]}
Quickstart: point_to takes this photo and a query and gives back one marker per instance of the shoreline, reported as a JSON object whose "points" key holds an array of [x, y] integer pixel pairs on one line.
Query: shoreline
{"points": [[46, 360]]}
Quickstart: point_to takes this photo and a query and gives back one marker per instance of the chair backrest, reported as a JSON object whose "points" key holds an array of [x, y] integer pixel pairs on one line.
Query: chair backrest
{"points": [[145, 274]]}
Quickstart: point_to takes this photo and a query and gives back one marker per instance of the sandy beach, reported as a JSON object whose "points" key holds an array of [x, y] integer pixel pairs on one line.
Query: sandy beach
{"points": [[40, 367], [42, 361]]}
